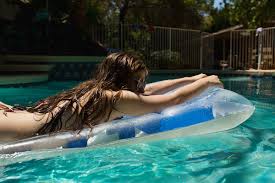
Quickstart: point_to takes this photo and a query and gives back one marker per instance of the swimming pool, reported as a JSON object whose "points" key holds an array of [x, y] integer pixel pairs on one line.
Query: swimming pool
{"points": [[244, 154]]}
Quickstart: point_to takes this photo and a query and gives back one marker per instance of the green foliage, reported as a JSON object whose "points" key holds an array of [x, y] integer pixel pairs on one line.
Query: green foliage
{"points": [[137, 40], [172, 13], [192, 14], [168, 13], [250, 13], [166, 59], [101, 12]]}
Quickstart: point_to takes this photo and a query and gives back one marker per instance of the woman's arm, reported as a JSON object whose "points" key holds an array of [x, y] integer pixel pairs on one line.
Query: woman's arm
{"points": [[168, 85], [133, 104]]}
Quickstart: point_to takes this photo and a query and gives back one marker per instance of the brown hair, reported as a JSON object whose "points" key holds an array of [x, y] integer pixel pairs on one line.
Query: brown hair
{"points": [[114, 73]]}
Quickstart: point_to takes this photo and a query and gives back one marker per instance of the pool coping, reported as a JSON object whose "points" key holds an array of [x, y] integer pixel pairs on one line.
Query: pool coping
{"points": [[23, 79], [7, 68], [218, 72]]}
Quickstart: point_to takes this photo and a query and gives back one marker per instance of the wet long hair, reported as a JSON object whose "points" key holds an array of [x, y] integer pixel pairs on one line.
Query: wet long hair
{"points": [[115, 73]]}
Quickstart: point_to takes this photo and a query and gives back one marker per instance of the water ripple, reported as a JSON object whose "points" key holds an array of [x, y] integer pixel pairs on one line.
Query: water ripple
{"points": [[244, 154]]}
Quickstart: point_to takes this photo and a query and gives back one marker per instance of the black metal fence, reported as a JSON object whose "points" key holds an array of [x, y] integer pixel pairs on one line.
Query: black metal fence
{"points": [[246, 49], [161, 47]]}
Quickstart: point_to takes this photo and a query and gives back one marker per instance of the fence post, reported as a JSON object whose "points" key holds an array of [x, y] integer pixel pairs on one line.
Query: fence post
{"points": [[47, 28], [170, 40], [121, 36], [201, 51], [259, 34], [230, 51]]}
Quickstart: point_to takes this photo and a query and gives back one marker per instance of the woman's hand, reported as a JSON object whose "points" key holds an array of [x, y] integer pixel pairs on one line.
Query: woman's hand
{"points": [[199, 76], [213, 80]]}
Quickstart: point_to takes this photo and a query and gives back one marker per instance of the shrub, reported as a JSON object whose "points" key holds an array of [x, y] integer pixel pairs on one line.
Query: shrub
{"points": [[165, 59]]}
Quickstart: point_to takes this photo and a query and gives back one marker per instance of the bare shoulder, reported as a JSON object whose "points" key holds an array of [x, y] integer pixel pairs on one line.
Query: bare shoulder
{"points": [[124, 95], [131, 103]]}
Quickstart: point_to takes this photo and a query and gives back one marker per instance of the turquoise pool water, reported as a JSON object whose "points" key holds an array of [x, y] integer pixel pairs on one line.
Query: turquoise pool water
{"points": [[244, 154]]}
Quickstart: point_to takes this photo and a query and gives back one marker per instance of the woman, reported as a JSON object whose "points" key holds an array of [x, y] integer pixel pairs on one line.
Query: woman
{"points": [[117, 89]]}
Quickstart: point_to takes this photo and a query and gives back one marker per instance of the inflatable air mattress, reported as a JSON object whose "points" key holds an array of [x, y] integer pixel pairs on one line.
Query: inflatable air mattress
{"points": [[214, 110]]}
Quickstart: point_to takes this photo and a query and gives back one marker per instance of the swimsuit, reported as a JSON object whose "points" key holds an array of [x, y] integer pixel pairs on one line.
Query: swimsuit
{"points": [[6, 108], [10, 109]]}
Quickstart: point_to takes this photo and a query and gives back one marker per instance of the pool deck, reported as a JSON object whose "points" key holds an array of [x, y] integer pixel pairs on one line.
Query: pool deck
{"points": [[50, 59], [27, 69], [18, 70]]}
